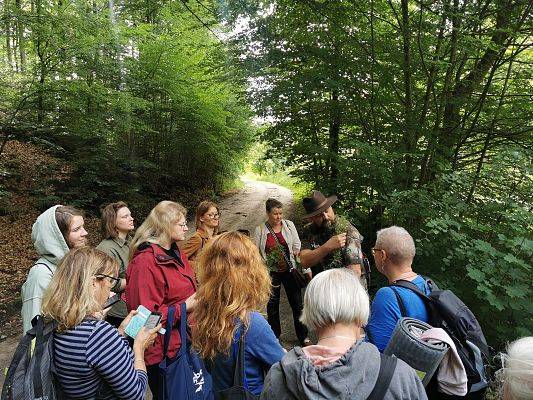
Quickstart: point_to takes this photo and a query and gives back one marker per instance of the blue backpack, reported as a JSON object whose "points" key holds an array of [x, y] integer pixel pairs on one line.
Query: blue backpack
{"points": [[183, 377]]}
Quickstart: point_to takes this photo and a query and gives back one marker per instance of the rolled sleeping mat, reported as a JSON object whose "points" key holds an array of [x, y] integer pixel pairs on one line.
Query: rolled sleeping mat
{"points": [[405, 343]]}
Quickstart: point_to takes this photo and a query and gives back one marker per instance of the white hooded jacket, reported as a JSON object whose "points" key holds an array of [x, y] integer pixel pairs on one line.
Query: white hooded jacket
{"points": [[51, 247]]}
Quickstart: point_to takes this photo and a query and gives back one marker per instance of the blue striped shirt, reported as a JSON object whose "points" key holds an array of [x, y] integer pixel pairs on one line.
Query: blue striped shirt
{"points": [[93, 352]]}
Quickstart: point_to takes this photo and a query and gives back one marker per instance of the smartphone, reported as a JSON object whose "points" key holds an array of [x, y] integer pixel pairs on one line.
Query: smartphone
{"points": [[137, 321], [153, 319], [111, 301]]}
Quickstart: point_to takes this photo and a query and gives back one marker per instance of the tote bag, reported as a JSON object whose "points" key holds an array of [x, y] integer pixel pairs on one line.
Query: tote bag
{"points": [[183, 377]]}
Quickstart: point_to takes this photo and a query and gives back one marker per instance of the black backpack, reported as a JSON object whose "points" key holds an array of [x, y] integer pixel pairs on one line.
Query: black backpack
{"points": [[448, 312], [31, 374]]}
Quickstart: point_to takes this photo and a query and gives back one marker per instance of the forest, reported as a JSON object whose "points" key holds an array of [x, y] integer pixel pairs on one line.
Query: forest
{"points": [[415, 113]]}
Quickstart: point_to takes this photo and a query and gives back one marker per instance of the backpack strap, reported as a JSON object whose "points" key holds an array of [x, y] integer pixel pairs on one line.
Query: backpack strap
{"points": [[238, 371], [39, 351], [411, 286], [47, 267], [387, 367], [401, 304]]}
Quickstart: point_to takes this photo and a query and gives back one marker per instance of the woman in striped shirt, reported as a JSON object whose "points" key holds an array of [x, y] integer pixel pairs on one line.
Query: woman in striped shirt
{"points": [[92, 358]]}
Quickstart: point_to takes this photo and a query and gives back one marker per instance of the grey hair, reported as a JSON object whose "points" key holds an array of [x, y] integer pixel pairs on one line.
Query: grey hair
{"points": [[335, 296], [518, 370], [398, 244]]}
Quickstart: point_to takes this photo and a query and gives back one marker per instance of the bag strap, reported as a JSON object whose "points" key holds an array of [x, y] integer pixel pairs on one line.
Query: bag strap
{"points": [[39, 351], [387, 367], [46, 265], [183, 328], [287, 259], [168, 328], [411, 286], [238, 371]]}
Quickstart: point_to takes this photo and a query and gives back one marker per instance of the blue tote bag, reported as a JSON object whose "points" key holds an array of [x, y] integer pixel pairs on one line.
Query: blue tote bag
{"points": [[183, 377]]}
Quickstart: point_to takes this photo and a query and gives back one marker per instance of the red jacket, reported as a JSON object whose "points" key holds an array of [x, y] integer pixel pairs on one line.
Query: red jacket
{"points": [[157, 281]]}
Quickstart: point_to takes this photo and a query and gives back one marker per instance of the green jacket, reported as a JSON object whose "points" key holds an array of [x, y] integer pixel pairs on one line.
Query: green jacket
{"points": [[119, 249]]}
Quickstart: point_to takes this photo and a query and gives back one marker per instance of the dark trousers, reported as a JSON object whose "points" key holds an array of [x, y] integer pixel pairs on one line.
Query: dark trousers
{"points": [[153, 380], [294, 295]]}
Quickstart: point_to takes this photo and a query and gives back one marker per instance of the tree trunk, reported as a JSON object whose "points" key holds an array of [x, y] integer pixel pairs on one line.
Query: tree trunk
{"points": [[333, 146], [408, 135], [42, 68], [7, 29], [20, 36], [464, 88], [489, 136]]}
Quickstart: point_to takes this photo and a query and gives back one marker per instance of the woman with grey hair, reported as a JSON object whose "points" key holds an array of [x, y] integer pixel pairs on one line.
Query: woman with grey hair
{"points": [[341, 365], [517, 370]]}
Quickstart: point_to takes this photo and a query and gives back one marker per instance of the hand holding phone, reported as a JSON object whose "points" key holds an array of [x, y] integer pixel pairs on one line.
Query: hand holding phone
{"points": [[153, 320], [140, 319]]}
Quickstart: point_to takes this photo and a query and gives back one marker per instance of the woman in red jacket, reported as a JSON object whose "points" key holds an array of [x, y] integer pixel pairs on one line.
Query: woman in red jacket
{"points": [[159, 276]]}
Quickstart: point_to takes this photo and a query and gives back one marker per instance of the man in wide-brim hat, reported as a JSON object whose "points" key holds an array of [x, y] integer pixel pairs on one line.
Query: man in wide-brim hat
{"points": [[323, 236]]}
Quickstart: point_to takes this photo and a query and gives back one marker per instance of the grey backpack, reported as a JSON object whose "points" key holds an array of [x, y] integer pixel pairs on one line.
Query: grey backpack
{"points": [[31, 374]]}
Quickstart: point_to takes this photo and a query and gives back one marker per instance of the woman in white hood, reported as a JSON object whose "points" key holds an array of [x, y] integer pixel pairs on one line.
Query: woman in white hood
{"points": [[54, 233], [341, 365]]}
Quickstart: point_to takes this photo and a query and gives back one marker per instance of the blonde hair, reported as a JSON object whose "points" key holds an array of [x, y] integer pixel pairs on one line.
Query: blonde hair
{"points": [[335, 296], [233, 281], [69, 297], [157, 227], [201, 210]]}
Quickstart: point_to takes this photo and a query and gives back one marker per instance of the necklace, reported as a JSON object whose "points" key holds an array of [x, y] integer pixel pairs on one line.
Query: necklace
{"points": [[337, 336]]}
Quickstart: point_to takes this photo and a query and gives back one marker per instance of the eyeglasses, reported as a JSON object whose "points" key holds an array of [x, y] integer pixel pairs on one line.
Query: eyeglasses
{"points": [[215, 215], [183, 225], [374, 249], [114, 279]]}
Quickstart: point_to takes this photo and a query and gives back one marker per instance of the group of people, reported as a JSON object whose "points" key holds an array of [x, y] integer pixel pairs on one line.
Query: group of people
{"points": [[225, 280]]}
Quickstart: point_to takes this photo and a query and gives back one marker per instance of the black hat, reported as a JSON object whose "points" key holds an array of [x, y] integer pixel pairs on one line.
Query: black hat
{"points": [[317, 203]]}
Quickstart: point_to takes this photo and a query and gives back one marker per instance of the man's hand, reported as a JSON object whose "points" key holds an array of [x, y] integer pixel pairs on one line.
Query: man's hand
{"points": [[336, 242]]}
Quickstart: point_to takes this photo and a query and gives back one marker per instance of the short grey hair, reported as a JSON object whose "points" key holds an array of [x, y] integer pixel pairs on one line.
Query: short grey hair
{"points": [[398, 244], [335, 296], [518, 369]]}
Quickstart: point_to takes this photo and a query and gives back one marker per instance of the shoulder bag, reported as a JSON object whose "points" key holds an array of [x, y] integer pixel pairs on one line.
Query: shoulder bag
{"points": [[299, 278], [183, 377]]}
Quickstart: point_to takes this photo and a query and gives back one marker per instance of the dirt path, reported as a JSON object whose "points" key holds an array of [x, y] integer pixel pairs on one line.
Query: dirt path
{"points": [[242, 210]]}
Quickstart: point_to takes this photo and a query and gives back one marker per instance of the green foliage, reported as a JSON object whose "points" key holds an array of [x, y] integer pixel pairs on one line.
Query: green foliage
{"points": [[415, 114], [139, 99]]}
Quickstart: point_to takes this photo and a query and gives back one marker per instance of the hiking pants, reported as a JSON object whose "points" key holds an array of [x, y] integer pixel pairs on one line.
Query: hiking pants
{"points": [[294, 295]]}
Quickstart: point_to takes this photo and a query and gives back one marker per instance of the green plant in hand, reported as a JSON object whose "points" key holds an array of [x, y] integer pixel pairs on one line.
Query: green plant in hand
{"points": [[341, 225], [275, 260]]}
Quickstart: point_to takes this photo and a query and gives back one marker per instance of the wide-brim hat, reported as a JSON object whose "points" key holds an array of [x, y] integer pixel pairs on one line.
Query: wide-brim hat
{"points": [[317, 203]]}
